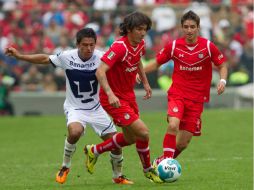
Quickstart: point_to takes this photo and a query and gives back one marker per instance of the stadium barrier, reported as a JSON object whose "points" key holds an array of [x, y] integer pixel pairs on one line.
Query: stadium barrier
{"points": [[40, 103]]}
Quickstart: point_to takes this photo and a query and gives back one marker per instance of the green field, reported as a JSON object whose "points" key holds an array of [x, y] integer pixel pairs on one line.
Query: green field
{"points": [[31, 151]]}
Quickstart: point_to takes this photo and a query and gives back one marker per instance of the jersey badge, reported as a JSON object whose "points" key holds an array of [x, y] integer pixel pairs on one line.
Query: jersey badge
{"points": [[181, 55], [126, 116], [111, 55], [201, 55]]}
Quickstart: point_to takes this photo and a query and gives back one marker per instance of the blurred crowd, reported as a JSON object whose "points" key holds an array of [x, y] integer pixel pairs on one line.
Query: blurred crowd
{"points": [[43, 26]]}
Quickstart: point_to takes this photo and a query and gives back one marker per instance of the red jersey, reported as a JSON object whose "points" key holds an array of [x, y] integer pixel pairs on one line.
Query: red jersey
{"points": [[192, 67], [123, 60]]}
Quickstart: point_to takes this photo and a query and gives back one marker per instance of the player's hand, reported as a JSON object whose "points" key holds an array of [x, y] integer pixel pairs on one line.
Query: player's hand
{"points": [[113, 100], [11, 51], [221, 87], [148, 91], [138, 79]]}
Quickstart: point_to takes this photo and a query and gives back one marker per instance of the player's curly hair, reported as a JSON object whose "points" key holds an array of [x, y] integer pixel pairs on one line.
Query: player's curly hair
{"points": [[190, 15], [85, 33], [133, 20]]}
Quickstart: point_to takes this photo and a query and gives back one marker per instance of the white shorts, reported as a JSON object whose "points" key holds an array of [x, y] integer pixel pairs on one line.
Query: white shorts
{"points": [[97, 119]]}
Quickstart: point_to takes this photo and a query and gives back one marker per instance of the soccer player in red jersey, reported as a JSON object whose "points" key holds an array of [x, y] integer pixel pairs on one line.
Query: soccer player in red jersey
{"points": [[117, 77], [193, 57]]}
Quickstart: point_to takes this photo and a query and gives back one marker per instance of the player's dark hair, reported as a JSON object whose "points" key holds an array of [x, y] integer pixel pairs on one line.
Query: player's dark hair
{"points": [[133, 20], [190, 15], [85, 33]]}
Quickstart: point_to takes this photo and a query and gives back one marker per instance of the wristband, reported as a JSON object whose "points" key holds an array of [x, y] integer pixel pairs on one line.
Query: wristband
{"points": [[224, 81]]}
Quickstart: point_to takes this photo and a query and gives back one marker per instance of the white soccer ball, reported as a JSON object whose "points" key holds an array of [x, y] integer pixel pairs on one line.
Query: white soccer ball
{"points": [[169, 170]]}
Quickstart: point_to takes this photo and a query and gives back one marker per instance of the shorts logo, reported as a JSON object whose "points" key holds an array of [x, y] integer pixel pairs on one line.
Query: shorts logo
{"points": [[198, 124], [111, 55], [126, 116], [175, 109]]}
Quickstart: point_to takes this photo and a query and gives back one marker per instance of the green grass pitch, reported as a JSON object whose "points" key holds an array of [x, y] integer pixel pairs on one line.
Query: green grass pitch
{"points": [[31, 151]]}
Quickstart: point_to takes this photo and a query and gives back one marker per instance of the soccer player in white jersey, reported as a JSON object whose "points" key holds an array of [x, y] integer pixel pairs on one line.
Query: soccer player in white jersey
{"points": [[193, 58], [82, 104]]}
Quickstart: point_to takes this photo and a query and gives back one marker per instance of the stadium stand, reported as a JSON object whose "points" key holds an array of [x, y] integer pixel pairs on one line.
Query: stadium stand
{"points": [[49, 26]]}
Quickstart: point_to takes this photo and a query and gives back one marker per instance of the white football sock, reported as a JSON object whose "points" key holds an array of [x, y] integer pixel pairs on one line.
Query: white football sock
{"points": [[69, 150], [116, 162]]}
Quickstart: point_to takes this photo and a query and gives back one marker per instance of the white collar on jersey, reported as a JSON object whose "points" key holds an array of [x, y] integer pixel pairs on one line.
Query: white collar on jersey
{"points": [[191, 47]]}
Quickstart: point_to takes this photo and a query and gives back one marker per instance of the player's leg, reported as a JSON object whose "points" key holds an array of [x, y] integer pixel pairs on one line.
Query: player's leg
{"points": [[93, 151], [190, 125], [122, 116], [139, 132], [75, 130], [116, 160], [104, 127], [174, 115], [169, 142], [182, 141]]}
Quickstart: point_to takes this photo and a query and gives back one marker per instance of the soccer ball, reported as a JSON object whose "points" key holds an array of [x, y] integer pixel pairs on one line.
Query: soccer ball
{"points": [[169, 170]]}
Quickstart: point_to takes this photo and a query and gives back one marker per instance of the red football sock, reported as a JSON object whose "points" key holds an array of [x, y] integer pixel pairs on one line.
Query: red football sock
{"points": [[169, 145], [117, 141], [177, 152], [144, 153]]}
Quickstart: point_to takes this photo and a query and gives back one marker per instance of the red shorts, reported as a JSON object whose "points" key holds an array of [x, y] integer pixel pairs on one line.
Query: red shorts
{"points": [[124, 115], [188, 112]]}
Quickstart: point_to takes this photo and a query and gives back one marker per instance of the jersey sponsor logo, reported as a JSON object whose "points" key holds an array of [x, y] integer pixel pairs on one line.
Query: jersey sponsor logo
{"points": [[183, 68], [131, 69], [78, 65], [111, 55], [127, 116]]}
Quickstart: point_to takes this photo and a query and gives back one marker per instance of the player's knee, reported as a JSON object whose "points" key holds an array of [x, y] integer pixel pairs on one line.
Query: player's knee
{"points": [[144, 135], [173, 126], [75, 133]]}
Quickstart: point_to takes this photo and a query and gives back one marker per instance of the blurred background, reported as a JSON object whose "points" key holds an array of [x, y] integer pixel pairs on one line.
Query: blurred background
{"points": [[49, 26]]}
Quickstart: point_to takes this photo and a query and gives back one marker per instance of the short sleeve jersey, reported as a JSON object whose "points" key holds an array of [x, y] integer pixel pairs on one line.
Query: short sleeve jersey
{"points": [[123, 60], [192, 67], [81, 82]]}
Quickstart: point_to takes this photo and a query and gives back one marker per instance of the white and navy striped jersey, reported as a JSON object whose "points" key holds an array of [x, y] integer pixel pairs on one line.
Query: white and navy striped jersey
{"points": [[81, 83]]}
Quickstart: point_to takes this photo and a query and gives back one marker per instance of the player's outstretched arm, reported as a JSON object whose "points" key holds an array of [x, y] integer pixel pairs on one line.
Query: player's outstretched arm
{"points": [[151, 67], [223, 72], [32, 58]]}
